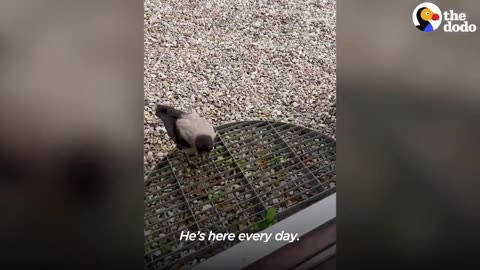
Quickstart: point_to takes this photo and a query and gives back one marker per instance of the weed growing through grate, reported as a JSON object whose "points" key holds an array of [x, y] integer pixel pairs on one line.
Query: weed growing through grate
{"points": [[269, 220]]}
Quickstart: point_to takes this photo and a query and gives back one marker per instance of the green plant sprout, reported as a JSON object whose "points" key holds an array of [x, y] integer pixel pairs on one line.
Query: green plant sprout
{"points": [[166, 249], [277, 160], [215, 196], [219, 161], [269, 220], [241, 163], [219, 150]]}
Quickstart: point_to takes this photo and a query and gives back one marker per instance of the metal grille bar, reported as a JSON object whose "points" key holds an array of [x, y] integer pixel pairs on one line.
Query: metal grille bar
{"points": [[256, 165]]}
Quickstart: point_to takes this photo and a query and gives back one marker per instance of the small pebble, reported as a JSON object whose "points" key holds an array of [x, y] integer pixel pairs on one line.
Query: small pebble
{"points": [[206, 207]]}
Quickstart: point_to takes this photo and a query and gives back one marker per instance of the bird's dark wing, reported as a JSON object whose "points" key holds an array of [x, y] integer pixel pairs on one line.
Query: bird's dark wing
{"points": [[169, 117], [179, 140]]}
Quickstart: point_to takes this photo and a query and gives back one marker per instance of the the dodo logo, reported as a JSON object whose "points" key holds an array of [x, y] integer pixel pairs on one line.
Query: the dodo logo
{"points": [[427, 17]]}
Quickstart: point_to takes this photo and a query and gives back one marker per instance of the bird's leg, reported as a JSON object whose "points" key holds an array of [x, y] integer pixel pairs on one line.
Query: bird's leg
{"points": [[189, 161], [204, 156]]}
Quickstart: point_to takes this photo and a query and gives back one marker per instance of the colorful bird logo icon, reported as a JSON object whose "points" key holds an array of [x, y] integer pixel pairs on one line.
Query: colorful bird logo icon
{"points": [[424, 16], [427, 17]]}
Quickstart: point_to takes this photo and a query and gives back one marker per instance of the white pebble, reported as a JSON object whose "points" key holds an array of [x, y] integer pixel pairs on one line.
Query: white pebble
{"points": [[206, 207]]}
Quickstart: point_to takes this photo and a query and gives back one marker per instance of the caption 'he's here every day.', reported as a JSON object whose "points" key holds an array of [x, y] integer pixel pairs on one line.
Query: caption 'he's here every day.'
{"points": [[264, 237]]}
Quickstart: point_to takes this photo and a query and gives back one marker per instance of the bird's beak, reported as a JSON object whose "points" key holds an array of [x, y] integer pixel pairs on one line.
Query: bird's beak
{"points": [[205, 156], [435, 17]]}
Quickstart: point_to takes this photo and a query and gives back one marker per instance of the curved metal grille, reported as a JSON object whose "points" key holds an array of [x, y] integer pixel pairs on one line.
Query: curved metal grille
{"points": [[255, 166]]}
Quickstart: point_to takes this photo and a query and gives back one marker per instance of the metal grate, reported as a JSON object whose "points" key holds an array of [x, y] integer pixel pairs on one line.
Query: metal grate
{"points": [[255, 166]]}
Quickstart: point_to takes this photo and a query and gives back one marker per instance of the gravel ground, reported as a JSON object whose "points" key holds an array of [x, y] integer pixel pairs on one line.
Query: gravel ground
{"points": [[239, 60]]}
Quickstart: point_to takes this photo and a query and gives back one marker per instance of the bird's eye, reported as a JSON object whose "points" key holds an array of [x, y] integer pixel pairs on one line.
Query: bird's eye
{"points": [[428, 13]]}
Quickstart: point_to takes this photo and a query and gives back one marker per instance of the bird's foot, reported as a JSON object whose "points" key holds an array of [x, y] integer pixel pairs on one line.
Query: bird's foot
{"points": [[193, 165], [190, 163]]}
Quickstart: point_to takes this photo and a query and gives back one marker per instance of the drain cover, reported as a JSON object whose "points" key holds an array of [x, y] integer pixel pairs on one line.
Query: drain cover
{"points": [[258, 173]]}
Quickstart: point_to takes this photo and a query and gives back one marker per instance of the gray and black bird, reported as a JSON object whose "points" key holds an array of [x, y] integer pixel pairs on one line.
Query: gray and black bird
{"points": [[190, 132]]}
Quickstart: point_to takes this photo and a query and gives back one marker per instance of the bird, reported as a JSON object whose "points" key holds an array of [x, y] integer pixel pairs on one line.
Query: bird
{"points": [[424, 16], [190, 132]]}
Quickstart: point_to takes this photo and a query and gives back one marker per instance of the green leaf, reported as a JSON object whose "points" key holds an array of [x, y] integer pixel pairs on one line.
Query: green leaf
{"points": [[241, 163], [220, 150], [271, 217], [163, 241], [166, 249], [219, 162], [276, 161], [255, 227]]}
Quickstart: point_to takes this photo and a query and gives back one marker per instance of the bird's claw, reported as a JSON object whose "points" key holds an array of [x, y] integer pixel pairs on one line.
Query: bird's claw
{"points": [[193, 166]]}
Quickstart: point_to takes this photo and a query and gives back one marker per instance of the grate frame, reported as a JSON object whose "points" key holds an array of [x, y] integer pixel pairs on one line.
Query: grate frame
{"points": [[304, 157]]}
